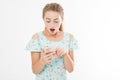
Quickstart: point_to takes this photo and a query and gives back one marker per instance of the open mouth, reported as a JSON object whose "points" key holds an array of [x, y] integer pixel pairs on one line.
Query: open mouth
{"points": [[52, 30]]}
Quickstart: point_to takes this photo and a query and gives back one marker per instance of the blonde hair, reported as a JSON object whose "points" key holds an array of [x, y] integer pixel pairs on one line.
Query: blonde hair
{"points": [[54, 7]]}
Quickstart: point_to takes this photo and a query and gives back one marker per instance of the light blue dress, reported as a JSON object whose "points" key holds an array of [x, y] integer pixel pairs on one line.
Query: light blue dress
{"points": [[56, 70]]}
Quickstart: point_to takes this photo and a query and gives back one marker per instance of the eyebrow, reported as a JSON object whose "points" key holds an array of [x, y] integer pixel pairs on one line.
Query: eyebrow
{"points": [[56, 19], [50, 18]]}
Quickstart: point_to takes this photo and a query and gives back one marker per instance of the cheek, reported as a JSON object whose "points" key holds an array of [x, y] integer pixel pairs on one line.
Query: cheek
{"points": [[47, 25], [57, 26]]}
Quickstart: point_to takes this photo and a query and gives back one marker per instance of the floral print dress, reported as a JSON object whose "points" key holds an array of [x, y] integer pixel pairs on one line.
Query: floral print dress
{"points": [[56, 69]]}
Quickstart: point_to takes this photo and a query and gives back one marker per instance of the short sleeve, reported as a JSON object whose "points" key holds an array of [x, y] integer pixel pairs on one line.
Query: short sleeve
{"points": [[73, 44], [33, 45]]}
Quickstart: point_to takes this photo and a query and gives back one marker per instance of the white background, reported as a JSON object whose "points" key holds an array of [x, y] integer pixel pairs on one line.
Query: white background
{"points": [[94, 23]]}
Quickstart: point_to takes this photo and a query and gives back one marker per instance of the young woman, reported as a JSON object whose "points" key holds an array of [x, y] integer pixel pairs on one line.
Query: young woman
{"points": [[52, 49]]}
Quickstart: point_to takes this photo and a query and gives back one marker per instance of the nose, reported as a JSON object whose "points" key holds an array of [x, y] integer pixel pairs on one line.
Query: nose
{"points": [[52, 24]]}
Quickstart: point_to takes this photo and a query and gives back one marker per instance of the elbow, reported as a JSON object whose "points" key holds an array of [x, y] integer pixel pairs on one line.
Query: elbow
{"points": [[35, 71], [70, 70]]}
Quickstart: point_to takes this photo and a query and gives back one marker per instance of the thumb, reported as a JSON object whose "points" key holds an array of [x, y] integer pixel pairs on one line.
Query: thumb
{"points": [[57, 48]]}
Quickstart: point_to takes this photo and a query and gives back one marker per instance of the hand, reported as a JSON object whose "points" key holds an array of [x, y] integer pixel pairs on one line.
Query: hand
{"points": [[61, 51], [47, 55]]}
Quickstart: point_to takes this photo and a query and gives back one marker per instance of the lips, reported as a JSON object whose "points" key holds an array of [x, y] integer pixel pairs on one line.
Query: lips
{"points": [[52, 30]]}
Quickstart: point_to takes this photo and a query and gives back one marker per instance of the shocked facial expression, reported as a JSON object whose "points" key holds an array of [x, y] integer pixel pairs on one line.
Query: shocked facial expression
{"points": [[52, 21]]}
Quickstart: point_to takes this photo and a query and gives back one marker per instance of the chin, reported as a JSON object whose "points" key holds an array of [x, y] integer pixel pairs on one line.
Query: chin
{"points": [[52, 32]]}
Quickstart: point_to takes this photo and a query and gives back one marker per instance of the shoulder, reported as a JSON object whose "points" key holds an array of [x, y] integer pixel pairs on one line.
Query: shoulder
{"points": [[35, 36], [70, 35]]}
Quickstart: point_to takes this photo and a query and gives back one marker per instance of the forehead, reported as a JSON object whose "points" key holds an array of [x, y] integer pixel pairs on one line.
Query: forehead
{"points": [[52, 15]]}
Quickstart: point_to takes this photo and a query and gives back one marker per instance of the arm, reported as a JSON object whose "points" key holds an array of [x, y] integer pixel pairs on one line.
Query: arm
{"points": [[37, 63], [69, 58], [40, 59], [69, 61]]}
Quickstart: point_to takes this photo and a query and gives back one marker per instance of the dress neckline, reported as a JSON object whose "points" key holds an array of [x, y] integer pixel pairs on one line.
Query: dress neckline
{"points": [[52, 40]]}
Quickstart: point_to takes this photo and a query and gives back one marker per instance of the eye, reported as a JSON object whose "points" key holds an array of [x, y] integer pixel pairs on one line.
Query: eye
{"points": [[48, 21], [56, 21]]}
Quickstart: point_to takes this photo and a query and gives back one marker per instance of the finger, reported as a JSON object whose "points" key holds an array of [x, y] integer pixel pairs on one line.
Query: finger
{"points": [[43, 50], [53, 53], [47, 50], [48, 63], [47, 59], [59, 52], [47, 56], [62, 52], [49, 53], [57, 49]]}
